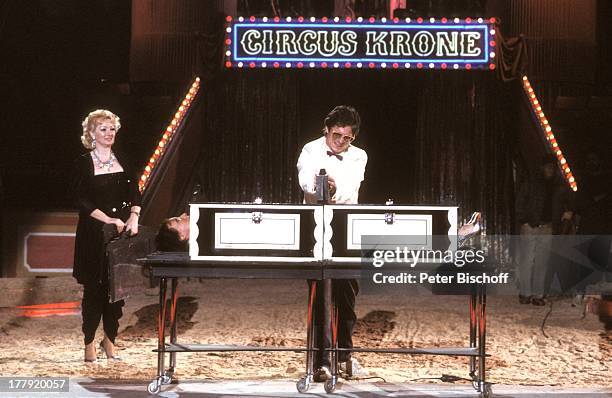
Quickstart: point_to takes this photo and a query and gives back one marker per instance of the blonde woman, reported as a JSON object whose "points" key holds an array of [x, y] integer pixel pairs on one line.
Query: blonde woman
{"points": [[106, 192]]}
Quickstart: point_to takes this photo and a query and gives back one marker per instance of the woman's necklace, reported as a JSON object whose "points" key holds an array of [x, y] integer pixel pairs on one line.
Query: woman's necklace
{"points": [[108, 165]]}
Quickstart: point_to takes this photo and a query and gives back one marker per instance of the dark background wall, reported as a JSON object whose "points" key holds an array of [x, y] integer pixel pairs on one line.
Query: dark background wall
{"points": [[64, 58]]}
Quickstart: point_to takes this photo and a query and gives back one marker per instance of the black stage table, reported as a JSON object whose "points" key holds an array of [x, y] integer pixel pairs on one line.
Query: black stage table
{"points": [[171, 266]]}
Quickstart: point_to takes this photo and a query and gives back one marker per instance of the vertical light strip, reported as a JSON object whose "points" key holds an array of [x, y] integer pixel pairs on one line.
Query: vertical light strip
{"points": [[545, 128], [168, 133]]}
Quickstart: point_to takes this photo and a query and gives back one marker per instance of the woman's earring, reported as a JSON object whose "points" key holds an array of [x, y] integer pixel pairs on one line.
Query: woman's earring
{"points": [[93, 143]]}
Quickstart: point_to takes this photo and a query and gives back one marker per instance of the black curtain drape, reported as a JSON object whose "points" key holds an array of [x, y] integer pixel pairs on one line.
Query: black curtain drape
{"points": [[432, 137], [250, 136], [465, 139]]}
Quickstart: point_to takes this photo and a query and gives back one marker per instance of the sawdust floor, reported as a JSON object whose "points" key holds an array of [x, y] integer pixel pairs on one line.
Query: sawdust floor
{"points": [[577, 351]]}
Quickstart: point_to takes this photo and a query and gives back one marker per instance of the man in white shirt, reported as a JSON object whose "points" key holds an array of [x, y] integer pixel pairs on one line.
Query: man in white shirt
{"points": [[343, 162], [345, 167]]}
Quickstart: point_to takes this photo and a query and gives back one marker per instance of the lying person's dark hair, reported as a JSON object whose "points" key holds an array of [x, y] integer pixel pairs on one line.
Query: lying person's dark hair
{"points": [[168, 240]]}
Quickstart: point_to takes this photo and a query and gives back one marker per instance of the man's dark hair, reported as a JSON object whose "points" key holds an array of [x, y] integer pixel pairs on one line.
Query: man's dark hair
{"points": [[342, 116], [167, 240]]}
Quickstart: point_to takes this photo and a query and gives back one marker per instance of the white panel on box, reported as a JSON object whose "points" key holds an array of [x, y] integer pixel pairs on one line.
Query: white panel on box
{"points": [[415, 227], [273, 231]]}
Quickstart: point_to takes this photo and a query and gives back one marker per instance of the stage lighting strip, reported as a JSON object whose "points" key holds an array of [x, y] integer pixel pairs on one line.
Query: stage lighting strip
{"points": [[361, 65], [548, 133], [169, 133]]}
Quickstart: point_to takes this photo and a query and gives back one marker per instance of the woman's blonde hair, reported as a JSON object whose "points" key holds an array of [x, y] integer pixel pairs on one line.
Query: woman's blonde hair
{"points": [[92, 120]]}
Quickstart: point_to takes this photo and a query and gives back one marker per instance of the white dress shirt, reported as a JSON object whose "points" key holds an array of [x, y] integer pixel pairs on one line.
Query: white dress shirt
{"points": [[347, 173]]}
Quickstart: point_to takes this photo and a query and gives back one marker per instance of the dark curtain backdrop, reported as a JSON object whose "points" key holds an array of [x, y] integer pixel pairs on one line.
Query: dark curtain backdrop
{"points": [[251, 132], [561, 36], [431, 137], [466, 141]]}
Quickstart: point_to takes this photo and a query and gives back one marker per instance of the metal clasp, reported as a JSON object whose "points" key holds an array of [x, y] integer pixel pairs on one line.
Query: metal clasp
{"points": [[256, 217], [389, 217]]}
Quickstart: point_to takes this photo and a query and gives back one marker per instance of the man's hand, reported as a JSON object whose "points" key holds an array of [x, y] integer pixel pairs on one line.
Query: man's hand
{"points": [[332, 185]]}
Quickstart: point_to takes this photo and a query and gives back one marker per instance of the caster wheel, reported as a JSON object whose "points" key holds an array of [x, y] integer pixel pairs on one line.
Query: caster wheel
{"points": [[166, 378], [302, 385], [330, 386], [154, 387], [488, 391]]}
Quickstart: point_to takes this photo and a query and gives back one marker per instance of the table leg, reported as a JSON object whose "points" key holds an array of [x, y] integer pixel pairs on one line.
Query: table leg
{"points": [[473, 323], [310, 329], [174, 298], [155, 386], [304, 383], [331, 331], [484, 387]]}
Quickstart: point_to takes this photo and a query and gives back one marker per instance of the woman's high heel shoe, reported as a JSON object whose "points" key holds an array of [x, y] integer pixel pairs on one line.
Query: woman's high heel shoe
{"points": [[108, 352], [90, 353]]}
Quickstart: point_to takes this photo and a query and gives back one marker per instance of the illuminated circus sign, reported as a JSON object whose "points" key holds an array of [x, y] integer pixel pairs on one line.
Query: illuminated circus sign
{"points": [[323, 43]]}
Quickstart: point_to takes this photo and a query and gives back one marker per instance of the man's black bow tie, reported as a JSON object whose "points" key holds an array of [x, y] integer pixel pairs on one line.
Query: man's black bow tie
{"points": [[330, 153]]}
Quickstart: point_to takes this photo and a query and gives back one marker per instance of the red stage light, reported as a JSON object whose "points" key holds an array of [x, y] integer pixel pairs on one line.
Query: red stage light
{"points": [[468, 20], [348, 19], [468, 66], [371, 65], [276, 19], [276, 64], [323, 64], [228, 64], [300, 65], [443, 66], [395, 65], [396, 20], [228, 18], [324, 19], [252, 18], [420, 20], [444, 20], [420, 65], [492, 43], [372, 19], [251, 64], [228, 41], [492, 66], [492, 20], [300, 19], [347, 65]]}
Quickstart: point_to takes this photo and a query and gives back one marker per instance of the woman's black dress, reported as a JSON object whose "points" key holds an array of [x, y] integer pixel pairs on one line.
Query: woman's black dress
{"points": [[114, 194]]}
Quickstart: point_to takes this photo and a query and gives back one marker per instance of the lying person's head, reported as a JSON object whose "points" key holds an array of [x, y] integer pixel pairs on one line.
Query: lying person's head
{"points": [[173, 234]]}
